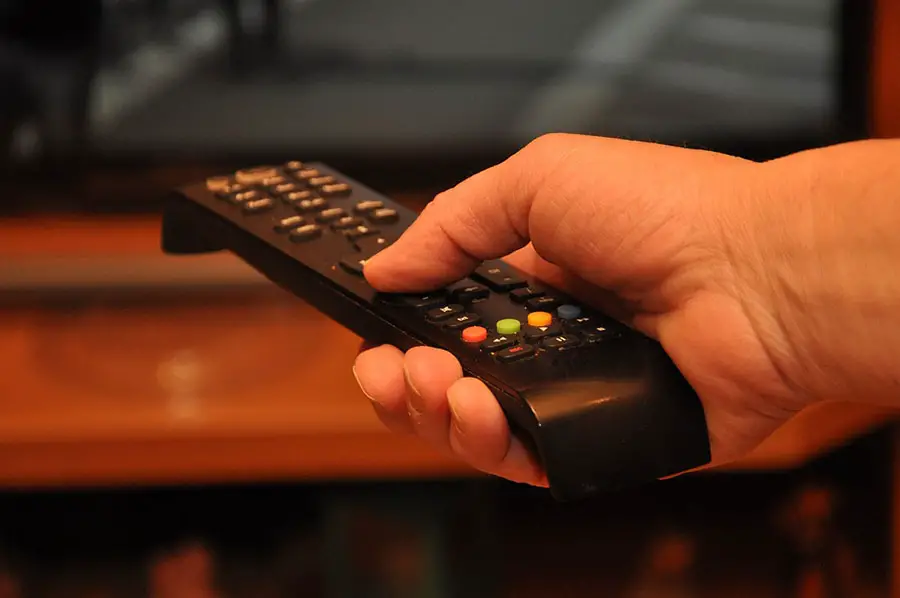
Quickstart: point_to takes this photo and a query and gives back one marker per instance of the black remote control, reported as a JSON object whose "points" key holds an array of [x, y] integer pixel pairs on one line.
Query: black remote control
{"points": [[601, 406]]}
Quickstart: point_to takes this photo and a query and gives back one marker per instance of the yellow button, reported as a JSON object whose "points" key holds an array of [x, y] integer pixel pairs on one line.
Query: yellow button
{"points": [[539, 318]]}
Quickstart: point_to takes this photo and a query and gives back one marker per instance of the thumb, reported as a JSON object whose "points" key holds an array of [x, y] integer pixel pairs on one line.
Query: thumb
{"points": [[563, 193]]}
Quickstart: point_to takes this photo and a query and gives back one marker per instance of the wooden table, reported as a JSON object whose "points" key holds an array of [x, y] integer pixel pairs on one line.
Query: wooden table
{"points": [[196, 370], [199, 383]]}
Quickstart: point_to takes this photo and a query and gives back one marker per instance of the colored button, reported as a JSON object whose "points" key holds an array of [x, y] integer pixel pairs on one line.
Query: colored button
{"points": [[539, 318], [509, 326], [474, 334], [568, 312]]}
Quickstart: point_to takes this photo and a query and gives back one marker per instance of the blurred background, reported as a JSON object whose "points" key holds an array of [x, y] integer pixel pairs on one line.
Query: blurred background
{"points": [[178, 428]]}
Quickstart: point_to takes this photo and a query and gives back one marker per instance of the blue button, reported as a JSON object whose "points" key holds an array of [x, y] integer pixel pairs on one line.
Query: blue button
{"points": [[568, 312]]}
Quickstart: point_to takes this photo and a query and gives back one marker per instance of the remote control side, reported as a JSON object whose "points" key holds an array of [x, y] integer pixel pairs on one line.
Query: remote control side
{"points": [[601, 406]]}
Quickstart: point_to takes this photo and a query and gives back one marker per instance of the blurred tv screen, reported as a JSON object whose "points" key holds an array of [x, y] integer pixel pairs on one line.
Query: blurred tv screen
{"points": [[380, 87]]}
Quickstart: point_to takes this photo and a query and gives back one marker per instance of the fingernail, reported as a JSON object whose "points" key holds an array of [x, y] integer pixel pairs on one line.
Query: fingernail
{"points": [[361, 387], [409, 382], [451, 406], [414, 407]]}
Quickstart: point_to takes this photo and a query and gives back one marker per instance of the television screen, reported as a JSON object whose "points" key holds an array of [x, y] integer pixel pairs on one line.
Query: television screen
{"points": [[398, 90]]}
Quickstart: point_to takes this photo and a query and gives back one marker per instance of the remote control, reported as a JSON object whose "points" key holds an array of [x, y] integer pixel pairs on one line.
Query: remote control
{"points": [[601, 406]]}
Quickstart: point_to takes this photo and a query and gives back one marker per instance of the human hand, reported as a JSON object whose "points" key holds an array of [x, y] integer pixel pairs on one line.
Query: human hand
{"points": [[665, 239]]}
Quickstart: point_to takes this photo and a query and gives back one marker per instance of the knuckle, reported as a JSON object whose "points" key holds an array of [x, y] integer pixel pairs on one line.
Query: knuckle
{"points": [[547, 144]]}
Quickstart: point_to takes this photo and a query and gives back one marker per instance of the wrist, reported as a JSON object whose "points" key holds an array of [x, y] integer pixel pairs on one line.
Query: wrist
{"points": [[821, 271]]}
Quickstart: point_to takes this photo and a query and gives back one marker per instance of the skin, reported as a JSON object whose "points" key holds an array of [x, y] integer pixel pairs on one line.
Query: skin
{"points": [[772, 286]]}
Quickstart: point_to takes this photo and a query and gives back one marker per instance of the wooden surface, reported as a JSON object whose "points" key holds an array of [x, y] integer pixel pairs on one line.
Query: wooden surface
{"points": [[886, 69], [197, 384]]}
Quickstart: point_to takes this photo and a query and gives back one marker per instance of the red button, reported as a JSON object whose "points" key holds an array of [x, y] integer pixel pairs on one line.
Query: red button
{"points": [[474, 334]]}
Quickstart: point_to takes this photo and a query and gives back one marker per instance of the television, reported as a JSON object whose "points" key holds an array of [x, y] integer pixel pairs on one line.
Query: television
{"points": [[107, 104]]}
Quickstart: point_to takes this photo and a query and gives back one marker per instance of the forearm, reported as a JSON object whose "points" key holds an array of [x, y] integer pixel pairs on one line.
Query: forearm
{"points": [[828, 255]]}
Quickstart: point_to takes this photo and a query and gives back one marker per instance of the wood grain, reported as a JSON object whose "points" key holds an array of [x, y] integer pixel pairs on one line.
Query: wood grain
{"points": [[204, 385], [886, 69]]}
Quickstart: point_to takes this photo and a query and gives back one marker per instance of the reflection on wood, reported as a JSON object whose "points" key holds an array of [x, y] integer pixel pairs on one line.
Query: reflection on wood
{"points": [[206, 385], [886, 69]]}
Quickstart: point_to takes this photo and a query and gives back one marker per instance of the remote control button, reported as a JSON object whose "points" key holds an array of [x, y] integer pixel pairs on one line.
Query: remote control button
{"points": [[597, 334], [318, 181], [354, 264], [311, 205], [218, 183], [539, 318], [306, 232], [426, 301], [462, 321], [360, 231], [525, 293], [580, 322], [292, 197], [331, 214], [568, 311], [239, 198], [335, 189], [346, 222], [286, 224], [561, 342], [509, 326], [371, 244], [467, 291], [384, 216], [254, 176], [498, 276], [284, 188], [370, 205], [273, 180], [515, 353], [533, 333], [258, 205], [542, 303], [293, 165], [438, 314], [229, 191], [498, 342], [474, 334], [435, 298], [307, 173]]}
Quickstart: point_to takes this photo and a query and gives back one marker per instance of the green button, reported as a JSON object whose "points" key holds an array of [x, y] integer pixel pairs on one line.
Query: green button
{"points": [[508, 326]]}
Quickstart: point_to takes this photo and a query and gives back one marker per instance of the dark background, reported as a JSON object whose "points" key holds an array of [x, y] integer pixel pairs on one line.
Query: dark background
{"points": [[107, 104]]}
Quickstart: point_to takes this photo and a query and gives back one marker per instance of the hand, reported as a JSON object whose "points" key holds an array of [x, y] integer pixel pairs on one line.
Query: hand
{"points": [[668, 240]]}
